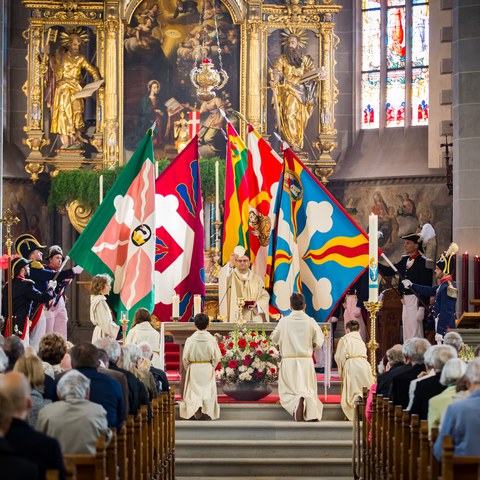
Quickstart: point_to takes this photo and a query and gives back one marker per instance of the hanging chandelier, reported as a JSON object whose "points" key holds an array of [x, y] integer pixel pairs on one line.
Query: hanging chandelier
{"points": [[204, 77]]}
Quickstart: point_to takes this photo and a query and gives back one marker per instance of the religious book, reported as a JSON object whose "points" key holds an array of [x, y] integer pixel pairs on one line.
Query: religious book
{"points": [[173, 106], [89, 89], [317, 73]]}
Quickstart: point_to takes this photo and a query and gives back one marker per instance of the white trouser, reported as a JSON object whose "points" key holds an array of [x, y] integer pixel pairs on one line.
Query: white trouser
{"points": [[57, 319], [38, 332], [412, 317]]}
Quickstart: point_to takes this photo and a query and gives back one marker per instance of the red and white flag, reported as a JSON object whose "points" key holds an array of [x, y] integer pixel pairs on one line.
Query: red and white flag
{"points": [[193, 123]]}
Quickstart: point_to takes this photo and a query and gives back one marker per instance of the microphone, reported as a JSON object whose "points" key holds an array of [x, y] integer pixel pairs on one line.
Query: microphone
{"points": [[221, 301]]}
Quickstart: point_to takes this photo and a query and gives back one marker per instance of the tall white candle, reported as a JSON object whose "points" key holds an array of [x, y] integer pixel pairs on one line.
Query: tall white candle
{"points": [[197, 304], [100, 187], [217, 193], [156, 169], [373, 258], [175, 306]]}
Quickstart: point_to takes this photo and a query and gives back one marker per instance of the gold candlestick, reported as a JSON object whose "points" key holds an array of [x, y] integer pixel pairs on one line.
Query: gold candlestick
{"points": [[373, 308], [240, 305], [8, 220]]}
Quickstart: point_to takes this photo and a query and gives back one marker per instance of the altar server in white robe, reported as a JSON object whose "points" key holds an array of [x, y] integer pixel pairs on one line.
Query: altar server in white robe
{"points": [[236, 280], [353, 367], [297, 335], [201, 355]]}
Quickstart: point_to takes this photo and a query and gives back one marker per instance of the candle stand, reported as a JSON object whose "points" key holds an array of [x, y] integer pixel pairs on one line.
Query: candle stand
{"points": [[373, 308]]}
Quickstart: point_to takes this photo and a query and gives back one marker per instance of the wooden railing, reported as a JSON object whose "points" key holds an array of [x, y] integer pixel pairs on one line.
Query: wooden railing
{"points": [[142, 450], [397, 446]]}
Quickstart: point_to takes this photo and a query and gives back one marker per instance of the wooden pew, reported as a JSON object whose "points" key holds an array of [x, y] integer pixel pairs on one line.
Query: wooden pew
{"points": [[405, 445], [433, 464], [391, 438], [414, 446], [366, 443], [397, 443], [172, 433], [122, 453], [145, 443], [424, 451], [90, 467], [112, 457], [131, 464], [137, 435], [464, 468]]}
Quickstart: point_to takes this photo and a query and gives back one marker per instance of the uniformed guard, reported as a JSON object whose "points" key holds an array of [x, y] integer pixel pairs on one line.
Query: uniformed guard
{"points": [[28, 247], [413, 267], [446, 293], [24, 295]]}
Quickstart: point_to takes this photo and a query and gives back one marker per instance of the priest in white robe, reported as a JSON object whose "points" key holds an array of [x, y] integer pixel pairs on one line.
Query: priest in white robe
{"points": [[353, 367], [236, 281], [201, 355], [297, 335]]}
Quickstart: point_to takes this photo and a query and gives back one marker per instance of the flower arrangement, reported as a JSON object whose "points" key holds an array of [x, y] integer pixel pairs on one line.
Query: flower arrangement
{"points": [[247, 356]]}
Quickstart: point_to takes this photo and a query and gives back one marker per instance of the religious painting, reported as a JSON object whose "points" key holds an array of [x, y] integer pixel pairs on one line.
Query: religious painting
{"points": [[401, 209], [164, 41], [293, 93]]}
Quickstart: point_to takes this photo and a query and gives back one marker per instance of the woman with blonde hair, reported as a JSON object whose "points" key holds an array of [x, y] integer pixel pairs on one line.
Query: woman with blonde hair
{"points": [[32, 368], [143, 331], [100, 313]]}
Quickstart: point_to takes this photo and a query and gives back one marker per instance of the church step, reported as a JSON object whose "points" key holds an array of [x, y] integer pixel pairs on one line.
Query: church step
{"points": [[262, 430], [264, 448], [260, 411], [254, 467], [256, 477]]}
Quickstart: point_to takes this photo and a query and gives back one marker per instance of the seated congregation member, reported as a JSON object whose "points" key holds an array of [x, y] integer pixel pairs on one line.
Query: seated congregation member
{"points": [[14, 349], [297, 335], [143, 331], [137, 393], [3, 361], [428, 388], [428, 372], [453, 370], [141, 370], [159, 376], [353, 367], [455, 340], [100, 313], [201, 355], [413, 352], [32, 368], [13, 465], [462, 419], [52, 349], [40, 449], [103, 390], [103, 362], [394, 360], [74, 420]]}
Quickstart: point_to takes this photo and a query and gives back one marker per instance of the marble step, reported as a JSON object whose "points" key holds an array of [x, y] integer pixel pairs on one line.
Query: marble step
{"points": [[333, 390], [226, 430], [264, 411], [228, 467], [263, 448]]}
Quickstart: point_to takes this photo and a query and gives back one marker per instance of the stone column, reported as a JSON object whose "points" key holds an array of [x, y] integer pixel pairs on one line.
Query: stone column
{"points": [[466, 131]]}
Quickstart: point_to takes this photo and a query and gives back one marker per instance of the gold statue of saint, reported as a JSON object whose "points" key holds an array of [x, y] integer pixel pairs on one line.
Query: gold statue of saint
{"points": [[294, 96], [180, 132], [64, 83]]}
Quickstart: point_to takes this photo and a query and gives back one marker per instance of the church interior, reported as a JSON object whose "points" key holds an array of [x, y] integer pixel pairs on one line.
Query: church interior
{"points": [[384, 113]]}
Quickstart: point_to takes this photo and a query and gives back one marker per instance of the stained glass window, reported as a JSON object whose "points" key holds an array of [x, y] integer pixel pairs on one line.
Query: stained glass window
{"points": [[395, 54]]}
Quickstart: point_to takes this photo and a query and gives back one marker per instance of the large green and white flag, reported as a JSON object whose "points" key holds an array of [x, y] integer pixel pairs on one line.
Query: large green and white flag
{"points": [[120, 237]]}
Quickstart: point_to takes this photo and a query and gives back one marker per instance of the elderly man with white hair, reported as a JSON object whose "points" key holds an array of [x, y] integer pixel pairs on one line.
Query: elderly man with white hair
{"points": [[452, 371], [413, 351], [454, 339], [74, 421], [428, 388], [462, 419]]}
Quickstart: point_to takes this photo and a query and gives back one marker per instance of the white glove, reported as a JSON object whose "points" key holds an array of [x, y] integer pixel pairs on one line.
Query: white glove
{"points": [[438, 338], [333, 319], [52, 284], [77, 269], [407, 283]]}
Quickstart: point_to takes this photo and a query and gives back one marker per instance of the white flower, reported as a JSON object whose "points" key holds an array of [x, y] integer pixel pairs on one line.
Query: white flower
{"points": [[229, 371], [244, 376], [242, 368]]}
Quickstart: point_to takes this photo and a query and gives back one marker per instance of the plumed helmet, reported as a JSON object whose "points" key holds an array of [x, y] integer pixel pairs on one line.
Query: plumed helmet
{"points": [[444, 263], [54, 250], [26, 244]]}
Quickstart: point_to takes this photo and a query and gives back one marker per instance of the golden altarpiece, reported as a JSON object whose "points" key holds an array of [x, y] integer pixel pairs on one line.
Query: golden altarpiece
{"points": [[105, 31]]}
